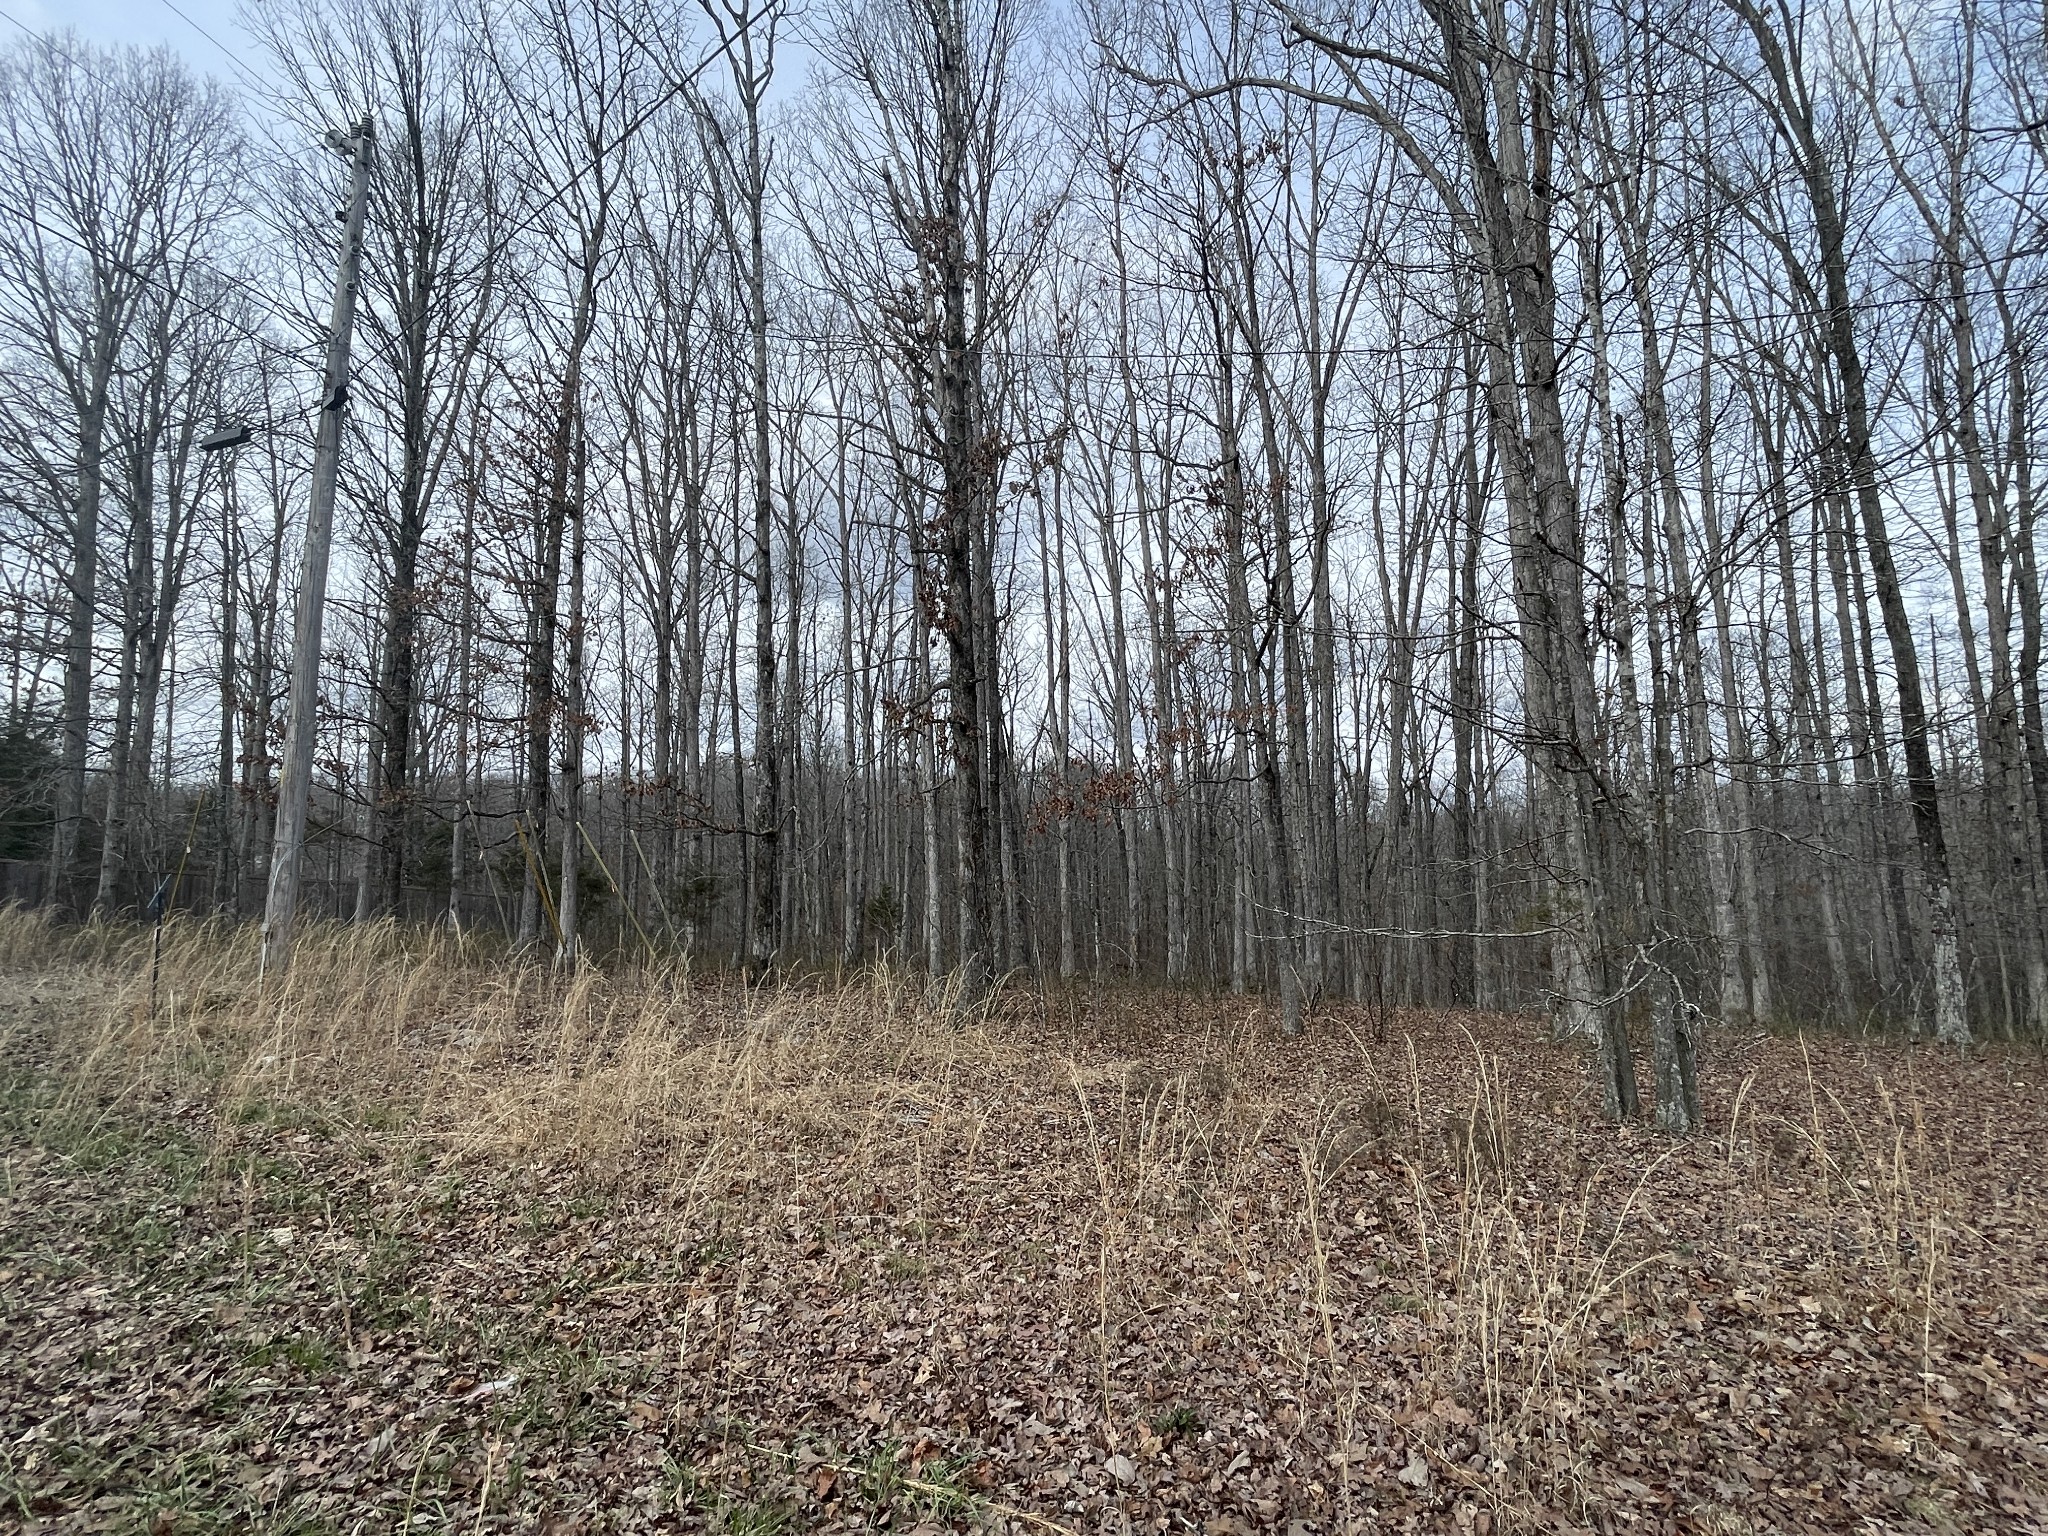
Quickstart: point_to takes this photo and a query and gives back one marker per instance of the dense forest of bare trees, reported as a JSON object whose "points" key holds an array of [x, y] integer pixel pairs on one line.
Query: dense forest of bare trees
{"points": [[1521, 503]]}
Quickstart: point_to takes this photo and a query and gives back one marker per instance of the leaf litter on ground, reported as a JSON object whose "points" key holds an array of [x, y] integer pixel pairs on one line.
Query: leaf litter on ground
{"points": [[434, 1241]]}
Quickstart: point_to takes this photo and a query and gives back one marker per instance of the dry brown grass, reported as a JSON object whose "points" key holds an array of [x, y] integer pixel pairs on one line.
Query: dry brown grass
{"points": [[1087, 1265]]}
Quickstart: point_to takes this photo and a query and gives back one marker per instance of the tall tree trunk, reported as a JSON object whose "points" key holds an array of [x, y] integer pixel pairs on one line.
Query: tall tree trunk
{"points": [[1795, 115], [569, 792], [81, 618]]}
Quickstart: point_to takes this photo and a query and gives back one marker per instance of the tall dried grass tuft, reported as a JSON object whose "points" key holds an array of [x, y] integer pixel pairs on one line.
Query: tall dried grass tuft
{"points": [[624, 1077], [1517, 1285], [494, 1055]]}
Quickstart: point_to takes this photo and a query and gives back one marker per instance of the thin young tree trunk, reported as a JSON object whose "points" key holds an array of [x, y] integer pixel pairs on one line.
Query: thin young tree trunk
{"points": [[851, 845], [1746, 902], [1811, 732], [81, 614], [1795, 116], [1467, 702], [1257, 725], [1160, 609], [1285, 776], [569, 790], [1869, 766], [465, 661], [1122, 725], [121, 764], [1059, 703], [926, 748]]}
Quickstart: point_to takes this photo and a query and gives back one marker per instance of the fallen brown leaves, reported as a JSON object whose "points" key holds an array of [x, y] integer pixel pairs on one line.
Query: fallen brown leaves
{"points": [[465, 1249]]}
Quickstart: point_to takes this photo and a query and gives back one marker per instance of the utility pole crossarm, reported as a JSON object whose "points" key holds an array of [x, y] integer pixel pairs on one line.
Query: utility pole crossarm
{"points": [[296, 781]]}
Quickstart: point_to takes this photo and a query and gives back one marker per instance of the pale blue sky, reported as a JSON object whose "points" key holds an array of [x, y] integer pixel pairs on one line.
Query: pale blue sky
{"points": [[147, 22]]}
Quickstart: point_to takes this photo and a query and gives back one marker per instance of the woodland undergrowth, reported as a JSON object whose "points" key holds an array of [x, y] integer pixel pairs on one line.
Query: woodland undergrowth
{"points": [[427, 1236]]}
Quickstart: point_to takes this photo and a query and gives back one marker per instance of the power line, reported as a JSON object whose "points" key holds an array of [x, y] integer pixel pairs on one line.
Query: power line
{"points": [[247, 73], [676, 86], [240, 286], [278, 158], [828, 340], [256, 337]]}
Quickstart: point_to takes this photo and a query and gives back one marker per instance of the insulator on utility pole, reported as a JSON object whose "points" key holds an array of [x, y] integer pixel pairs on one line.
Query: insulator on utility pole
{"points": [[296, 779]]}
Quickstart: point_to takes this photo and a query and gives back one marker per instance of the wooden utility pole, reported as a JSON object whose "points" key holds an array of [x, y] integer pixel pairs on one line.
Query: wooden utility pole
{"points": [[296, 781]]}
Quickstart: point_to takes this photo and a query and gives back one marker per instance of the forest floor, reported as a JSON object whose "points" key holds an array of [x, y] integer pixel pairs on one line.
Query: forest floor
{"points": [[433, 1242]]}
